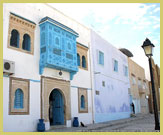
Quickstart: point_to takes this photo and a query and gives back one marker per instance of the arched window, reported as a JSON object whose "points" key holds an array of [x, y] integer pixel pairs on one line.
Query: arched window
{"points": [[82, 105], [57, 40], [83, 62], [18, 101], [78, 59], [14, 40], [26, 42]]}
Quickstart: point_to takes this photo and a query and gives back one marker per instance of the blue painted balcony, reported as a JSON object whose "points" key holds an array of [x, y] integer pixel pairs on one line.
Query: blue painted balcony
{"points": [[57, 47]]}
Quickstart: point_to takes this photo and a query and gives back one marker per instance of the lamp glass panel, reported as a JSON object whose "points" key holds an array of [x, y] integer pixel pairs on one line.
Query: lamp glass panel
{"points": [[148, 50]]}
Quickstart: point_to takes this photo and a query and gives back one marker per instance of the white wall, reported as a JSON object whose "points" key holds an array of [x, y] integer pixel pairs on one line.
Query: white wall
{"points": [[35, 12], [27, 66], [21, 123], [108, 104], [86, 118]]}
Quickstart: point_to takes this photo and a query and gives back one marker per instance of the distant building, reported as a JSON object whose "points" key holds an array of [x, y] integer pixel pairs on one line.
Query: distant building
{"points": [[139, 90], [111, 81], [156, 76]]}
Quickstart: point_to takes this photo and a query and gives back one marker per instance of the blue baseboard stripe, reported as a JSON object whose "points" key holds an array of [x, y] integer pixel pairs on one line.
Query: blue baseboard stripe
{"points": [[103, 117]]}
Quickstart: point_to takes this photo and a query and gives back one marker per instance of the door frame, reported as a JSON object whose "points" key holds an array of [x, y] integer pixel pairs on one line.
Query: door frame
{"points": [[63, 102], [47, 85]]}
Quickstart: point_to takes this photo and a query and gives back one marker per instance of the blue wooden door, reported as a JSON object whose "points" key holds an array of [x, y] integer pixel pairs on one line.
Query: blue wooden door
{"points": [[58, 111]]}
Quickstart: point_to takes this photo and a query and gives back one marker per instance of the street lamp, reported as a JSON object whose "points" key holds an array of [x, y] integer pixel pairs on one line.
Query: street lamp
{"points": [[148, 49]]}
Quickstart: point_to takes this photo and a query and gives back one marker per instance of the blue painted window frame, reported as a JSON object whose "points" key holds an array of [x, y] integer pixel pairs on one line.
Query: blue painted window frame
{"points": [[125, 71], [101, 58], [82, 104], [26, 45], [14, 40], [19, 99], [115, 66]]}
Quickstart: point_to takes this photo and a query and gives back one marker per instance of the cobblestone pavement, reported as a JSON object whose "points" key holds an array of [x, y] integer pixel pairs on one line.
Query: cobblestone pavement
{"points": [[139, 123]]}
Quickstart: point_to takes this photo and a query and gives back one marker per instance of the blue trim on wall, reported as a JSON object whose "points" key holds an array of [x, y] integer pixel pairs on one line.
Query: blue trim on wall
{"points": [[81, 87], [34, 80], [103, 117]]}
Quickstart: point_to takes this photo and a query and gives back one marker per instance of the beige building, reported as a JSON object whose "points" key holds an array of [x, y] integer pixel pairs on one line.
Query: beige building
{"points": [[156, 75], [139, 89]]}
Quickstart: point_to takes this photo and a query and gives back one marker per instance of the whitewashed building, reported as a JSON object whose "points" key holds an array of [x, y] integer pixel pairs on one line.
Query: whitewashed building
{"points": [[111, 81], [47, 70]]}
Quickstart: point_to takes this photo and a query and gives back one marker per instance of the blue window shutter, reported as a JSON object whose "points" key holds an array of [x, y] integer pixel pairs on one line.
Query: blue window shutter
{"points": [[116, 65], [14, 40], [126, 71], [82, 102], [50, 38], [26, 42], [78, 59], [18, 101], [43, 38], [101, 58], [83, 62], [69, 46], [57, 40]]}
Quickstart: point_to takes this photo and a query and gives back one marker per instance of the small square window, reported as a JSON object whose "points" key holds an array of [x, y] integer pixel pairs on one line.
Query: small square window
{"points": [[97, 92]]}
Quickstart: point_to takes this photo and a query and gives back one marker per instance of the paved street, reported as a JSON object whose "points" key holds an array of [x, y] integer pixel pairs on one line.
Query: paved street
{"points": [[139, 123]]}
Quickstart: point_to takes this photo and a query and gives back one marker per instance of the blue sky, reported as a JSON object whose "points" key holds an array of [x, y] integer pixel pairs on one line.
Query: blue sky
{"points": [[124, 25]]}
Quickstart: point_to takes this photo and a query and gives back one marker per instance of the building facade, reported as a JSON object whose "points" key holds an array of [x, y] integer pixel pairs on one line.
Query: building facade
{"points": [[139, 89], [55, 69], [49, 56], [111, 81]]}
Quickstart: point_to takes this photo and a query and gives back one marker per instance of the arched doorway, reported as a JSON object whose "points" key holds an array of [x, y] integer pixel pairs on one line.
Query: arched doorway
{"points": [[56, 108]]}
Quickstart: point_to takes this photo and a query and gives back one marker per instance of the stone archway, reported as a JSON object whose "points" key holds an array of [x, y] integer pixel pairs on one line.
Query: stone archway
{"points": [[47, 86]]}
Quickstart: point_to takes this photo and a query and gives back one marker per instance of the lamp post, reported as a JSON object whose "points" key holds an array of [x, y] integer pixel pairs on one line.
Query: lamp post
{"points": [[148, 49]]}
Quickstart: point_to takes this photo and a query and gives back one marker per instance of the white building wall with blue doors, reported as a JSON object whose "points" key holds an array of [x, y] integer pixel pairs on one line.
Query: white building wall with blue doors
{"points": [[111, 81], [27, 67]]}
